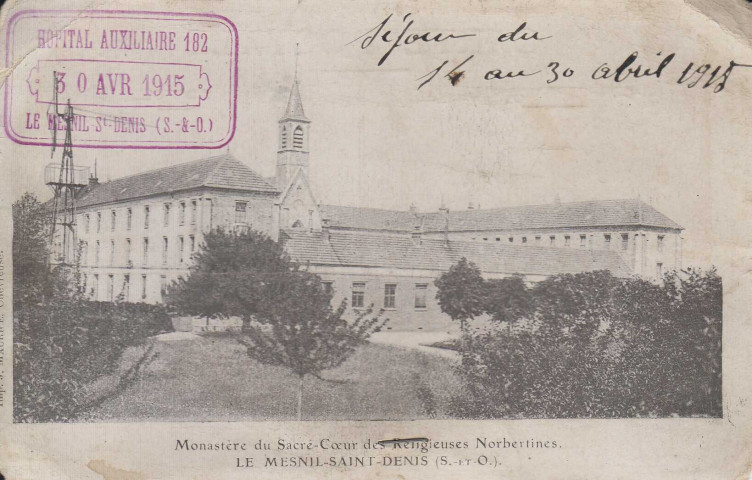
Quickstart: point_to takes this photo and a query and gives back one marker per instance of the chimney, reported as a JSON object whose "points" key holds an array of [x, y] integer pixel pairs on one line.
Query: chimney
{"points": [[93, 180], [445, 214], [417, 236], [326, 234]]}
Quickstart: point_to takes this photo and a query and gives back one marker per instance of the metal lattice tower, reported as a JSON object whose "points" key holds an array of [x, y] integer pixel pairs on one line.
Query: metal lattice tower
{"points": [[65, 181]]}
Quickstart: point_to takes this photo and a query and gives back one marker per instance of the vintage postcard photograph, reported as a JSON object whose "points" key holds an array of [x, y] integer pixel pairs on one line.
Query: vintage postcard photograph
{"points": [[363, 239]]}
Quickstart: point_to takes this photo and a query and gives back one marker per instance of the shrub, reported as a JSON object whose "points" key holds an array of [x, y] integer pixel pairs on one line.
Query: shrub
{"points": [[461, 291], [62, 344], [597, 346]]}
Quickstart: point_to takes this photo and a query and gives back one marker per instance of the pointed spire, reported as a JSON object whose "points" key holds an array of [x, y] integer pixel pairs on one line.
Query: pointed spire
{"points": [[294, 110]]}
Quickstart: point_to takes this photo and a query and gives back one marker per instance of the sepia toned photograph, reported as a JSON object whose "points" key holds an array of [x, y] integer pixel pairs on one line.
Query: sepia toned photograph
{"points": [[206, 291], [397, 240]]}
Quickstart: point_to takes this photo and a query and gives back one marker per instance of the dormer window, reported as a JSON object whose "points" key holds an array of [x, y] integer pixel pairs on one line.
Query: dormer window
{"points": [[297, 137]]}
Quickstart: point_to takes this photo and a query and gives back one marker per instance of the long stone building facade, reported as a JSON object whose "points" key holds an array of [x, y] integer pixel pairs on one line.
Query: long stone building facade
{"points": [[137, 233]]}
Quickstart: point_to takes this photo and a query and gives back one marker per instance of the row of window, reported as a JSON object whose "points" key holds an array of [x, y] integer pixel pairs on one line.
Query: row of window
{"points": [[119, 290], [583, 240], [166, 216], [358, 295], [185, 246]]}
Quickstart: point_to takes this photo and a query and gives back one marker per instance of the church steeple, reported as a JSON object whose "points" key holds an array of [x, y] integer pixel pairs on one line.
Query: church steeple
{"points": [[293, 137], [294, 110]]}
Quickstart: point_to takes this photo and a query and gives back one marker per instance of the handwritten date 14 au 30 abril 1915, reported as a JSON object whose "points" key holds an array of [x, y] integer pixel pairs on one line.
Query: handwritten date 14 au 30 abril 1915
{"points": [[632, 67]]}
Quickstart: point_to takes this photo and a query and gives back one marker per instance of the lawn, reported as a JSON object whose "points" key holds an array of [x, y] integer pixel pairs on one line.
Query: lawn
{"points": [[210, 378]]}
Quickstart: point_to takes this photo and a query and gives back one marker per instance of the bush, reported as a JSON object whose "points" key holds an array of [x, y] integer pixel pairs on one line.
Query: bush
{"points": [[62, 344], [597, 346]]}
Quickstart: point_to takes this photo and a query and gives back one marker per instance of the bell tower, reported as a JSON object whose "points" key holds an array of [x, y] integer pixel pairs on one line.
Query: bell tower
{"points": [[293, 138]]}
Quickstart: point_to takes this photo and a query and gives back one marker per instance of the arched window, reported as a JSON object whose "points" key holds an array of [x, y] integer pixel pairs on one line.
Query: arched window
{"points": [[283, 137], [297, 138]]}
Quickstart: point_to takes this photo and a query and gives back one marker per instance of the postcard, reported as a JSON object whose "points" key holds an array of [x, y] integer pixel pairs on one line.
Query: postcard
{"points": [[330, 239]]}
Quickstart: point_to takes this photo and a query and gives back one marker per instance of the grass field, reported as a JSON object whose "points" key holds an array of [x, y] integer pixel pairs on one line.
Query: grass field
{"points": [[210, 378]]}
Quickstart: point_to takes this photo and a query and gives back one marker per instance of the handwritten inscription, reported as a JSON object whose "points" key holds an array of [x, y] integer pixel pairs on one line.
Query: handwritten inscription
{"points": [[387, 36], [633, 67]]}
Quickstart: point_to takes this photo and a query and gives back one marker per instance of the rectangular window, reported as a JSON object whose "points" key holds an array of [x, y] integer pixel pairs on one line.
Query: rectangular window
{"points": [[211, 214], [358, 294], [96, 253], [85, 254], [113, 220], [112, 252], [420, 295], [538, 240], [128, 218], [181, 214], [524, 239], [607, 240], [240, 211], [566, 240], [328, 287], [128, 257], [111, 288], [87, 221], [194, 209], [511, 239], [165, 250], [143, 287], [146, 251], [95, 288], [583, 241], [163, 285], [498, 239], [658, 269], [126, 287], [146, 216], [552, 240], [99, 222], [659, 244], [390, 295], [625, 241], [166, 214], [192, 243], [181, 248]]}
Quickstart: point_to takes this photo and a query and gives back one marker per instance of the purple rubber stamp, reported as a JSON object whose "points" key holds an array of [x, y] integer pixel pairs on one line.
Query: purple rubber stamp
{"points": [[134, 79]]}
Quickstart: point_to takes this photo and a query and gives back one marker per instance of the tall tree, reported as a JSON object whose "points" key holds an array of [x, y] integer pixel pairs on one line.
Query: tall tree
{"points": [[229, 275], [461, 291], [288, 318], [30, 247]]}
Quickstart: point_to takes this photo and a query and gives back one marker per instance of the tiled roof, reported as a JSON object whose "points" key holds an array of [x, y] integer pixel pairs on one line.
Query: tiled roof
{"points": [[357, 218], [401, 252], [599, 213], [222, 171]]}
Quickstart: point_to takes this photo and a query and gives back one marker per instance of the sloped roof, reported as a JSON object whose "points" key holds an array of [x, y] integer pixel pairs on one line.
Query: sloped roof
{"points": [[294, 110], [577, 214], [223, 171], [357, 218], [401, 252], [598, 213]]}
